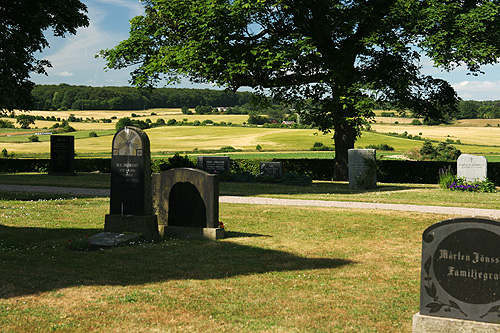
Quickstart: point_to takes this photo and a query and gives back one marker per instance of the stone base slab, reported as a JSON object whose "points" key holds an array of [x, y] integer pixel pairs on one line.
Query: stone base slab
{"points": [[110, 239], [431, 324], [192, 232], [146, 225]]}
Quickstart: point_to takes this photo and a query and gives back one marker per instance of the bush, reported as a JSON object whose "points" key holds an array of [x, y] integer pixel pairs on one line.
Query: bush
{"points": [[442, 152], [381, 146], [92, 135], [416, 122], [446, 176], [34, 138], [243, 177], [319, 146], [228, 149], [129, 122], [293, 178], [6, 124], [257, 120], [176, 161]]}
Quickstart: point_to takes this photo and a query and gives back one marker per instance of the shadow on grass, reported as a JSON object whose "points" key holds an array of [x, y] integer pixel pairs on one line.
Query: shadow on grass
{"points": [[236, 234], [40, 262]]}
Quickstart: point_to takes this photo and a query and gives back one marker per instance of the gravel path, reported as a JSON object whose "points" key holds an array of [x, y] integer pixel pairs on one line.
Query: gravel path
{"points": [[461, 211]]}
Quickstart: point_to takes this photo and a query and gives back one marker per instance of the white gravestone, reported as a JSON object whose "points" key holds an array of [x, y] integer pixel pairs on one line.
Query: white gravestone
{"points": [[471, 167], [362, 168]]}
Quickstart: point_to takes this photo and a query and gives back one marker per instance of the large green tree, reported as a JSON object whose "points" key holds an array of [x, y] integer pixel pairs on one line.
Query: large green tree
{"points": [[22, 27], [337, 55]]}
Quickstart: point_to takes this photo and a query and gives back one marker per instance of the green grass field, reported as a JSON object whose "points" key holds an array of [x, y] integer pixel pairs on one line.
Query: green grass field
{"points": [[281, 269]]}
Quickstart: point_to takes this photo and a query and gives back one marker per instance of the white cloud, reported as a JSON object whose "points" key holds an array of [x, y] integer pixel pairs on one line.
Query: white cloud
{"points": [[478, 90], [482, 86], [64, 73]]}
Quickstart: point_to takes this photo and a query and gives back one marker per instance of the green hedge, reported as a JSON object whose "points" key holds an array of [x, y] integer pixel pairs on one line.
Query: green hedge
{"points": [[318, 169]]}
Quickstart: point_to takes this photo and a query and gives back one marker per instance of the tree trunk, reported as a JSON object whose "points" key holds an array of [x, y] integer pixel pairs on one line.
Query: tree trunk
{"points": [[344, 137]]}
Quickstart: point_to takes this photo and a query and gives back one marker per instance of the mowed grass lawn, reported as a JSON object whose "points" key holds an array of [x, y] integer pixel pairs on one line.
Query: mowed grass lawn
{"points": [[281, 269]]}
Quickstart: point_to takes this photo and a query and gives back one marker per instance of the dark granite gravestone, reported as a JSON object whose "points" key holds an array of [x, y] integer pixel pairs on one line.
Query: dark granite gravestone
{"points": [[62, 155], [131, 204], [271, 169], [460, 275], [186, 202], [220, 165]]}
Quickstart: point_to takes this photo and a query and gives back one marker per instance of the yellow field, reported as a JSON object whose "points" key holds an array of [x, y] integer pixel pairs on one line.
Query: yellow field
{"points": [[191, 138], [472, 135], [165, 114]]}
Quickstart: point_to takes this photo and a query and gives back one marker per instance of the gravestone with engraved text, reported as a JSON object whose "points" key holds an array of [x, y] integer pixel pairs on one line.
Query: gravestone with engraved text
{"points": [[472, 167], [62, 155], [131, 207], [219, 165], [271, 169], [362, 168], [460, 276]]}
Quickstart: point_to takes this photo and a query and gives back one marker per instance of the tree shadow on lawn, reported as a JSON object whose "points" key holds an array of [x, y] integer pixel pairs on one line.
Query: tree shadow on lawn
{"points": [[41, 262]]}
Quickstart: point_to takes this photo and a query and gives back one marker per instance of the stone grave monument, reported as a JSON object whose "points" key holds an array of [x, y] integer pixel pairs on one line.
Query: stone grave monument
{"points": [[131, 203], [186, 202], [472, 167], [62, 155], [362, 168], [460, 277], [220, 165], [271, 169]]}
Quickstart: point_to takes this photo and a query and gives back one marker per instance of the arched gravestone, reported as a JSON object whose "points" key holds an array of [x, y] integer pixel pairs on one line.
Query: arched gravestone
{"points": [[131, 208], [186, 202], [460, 275]]}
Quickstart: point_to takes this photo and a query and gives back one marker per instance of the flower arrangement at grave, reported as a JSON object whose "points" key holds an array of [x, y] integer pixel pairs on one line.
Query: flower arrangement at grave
{"points": [[448, 180]]}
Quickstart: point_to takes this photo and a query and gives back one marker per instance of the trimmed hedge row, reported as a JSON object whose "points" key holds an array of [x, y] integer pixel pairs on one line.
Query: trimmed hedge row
{"points": [[422, 172]]}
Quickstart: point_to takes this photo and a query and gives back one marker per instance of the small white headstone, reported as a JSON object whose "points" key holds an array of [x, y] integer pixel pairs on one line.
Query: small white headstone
{"points": [[471, 167], [362, 168]]}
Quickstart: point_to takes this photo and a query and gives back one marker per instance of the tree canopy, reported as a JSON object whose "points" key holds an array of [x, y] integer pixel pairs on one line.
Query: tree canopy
{"points": [[330, 59], [22, 27]]}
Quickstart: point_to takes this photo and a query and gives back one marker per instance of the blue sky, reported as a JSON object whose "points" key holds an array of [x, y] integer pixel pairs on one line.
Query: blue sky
{"points": [[73, 58]]}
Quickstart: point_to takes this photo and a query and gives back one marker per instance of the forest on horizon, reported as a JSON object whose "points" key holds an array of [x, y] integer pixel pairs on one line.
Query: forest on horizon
{"points": [[71, 97]]}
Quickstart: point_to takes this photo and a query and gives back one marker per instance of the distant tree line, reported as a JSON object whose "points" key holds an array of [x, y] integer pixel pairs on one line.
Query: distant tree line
{"points": [[69, 97], [478, 109]]}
